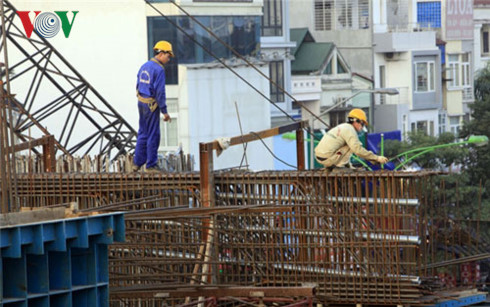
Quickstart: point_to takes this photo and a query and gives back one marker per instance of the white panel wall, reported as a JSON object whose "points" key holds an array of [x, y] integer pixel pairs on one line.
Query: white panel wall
{"points": [[212, 93], [107, 45]]}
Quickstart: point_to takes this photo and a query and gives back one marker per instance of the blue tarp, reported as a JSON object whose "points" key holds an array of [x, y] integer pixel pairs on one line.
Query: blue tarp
{"points": [[374, 144]]}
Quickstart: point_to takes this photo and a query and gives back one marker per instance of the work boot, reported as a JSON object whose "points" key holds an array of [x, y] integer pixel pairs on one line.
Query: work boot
{"points": [[343, 170], [154, 169], [135, 168]]}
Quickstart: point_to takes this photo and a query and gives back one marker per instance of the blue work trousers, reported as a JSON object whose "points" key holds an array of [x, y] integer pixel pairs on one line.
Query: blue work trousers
{"points": [[148, 139]]}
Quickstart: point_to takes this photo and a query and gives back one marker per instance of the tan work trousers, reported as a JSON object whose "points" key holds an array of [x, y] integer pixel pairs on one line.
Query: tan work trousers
{"points": [[339, 159]]}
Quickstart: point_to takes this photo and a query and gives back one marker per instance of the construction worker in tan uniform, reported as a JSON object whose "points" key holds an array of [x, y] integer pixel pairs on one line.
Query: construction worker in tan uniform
{"points": [[338, 144]]}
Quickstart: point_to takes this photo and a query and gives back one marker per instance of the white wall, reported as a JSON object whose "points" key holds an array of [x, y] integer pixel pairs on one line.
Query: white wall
{"points": [[212, 113], [425, 115], [355, 45], [254, 7], [481, 15], [107, 45], [454, 97]]}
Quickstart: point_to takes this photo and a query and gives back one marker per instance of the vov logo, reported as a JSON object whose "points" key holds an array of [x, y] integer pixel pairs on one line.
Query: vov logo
{"points": [[47, 24]]}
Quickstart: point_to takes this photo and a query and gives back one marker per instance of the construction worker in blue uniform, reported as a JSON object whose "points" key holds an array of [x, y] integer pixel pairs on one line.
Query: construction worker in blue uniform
{"points": [[150, 90]]}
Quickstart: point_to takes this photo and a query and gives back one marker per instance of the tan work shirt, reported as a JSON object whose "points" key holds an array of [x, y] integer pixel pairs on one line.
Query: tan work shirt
{"points": [[338, 144]]}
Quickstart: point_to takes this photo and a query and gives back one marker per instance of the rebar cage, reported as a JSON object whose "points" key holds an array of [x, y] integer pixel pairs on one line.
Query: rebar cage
{"points": [[367, 237]]}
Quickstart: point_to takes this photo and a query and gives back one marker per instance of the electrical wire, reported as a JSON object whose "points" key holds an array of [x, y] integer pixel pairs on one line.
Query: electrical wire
{"points": [[237, 54], [244, 157], [272, 153], [307, 129], [218, 59]]}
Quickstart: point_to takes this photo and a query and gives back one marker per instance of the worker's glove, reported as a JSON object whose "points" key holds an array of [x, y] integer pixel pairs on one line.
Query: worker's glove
{"points": [[382, 160]]}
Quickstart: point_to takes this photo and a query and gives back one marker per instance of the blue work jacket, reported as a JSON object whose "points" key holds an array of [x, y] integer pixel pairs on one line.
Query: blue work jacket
{"points": [[151, 83]]}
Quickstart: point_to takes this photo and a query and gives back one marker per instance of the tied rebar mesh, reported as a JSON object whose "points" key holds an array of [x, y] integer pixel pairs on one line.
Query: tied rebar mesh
{"points": [[364, 238]]}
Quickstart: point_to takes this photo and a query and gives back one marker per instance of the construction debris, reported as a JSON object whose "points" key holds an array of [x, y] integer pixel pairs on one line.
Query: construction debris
{"points": [[171, 162]]}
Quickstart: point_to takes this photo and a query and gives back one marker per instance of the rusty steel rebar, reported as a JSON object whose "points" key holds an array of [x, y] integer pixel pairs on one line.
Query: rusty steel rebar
{"points": [[367, 237]]}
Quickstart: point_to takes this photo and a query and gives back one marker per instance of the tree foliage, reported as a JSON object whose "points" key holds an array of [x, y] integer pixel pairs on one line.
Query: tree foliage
{"points": [[468, 189], [441, 158], [478, 163], [474, 160]]}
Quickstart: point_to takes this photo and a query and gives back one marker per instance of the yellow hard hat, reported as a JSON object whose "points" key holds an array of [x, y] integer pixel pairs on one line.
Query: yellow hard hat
{"points": [[359, 114], [164, 46]]}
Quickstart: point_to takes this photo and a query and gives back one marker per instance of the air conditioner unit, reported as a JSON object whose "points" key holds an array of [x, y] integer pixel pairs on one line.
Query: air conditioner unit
{"points": [[393, 56]]}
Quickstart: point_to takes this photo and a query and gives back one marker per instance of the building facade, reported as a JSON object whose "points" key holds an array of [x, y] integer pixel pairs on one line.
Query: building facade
{"points": [[481, 13], [422, 48]]}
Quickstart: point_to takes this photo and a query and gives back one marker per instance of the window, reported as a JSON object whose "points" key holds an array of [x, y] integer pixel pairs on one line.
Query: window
{"points": [[341, 14], [425, 126], [323, 15], [337, 117], [465, 70], [328, 69], [169, 133], [364, 14], [240, 32], [485, 43], [276, 71], [429, 14], [442, 123], [341, 67], [272, 18], [422, 126], [425, 76], [404, 126], [452, 71], [382, 83], [458, 74], [344, 12], [454, 124], [466, 77]]}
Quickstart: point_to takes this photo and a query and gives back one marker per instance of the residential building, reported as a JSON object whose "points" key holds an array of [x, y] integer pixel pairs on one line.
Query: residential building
{"points": [[423, 48], [321, 77], [406, 57], [458, 31], [346, 23], [275, 49], [450, 27], [481, 18]]}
